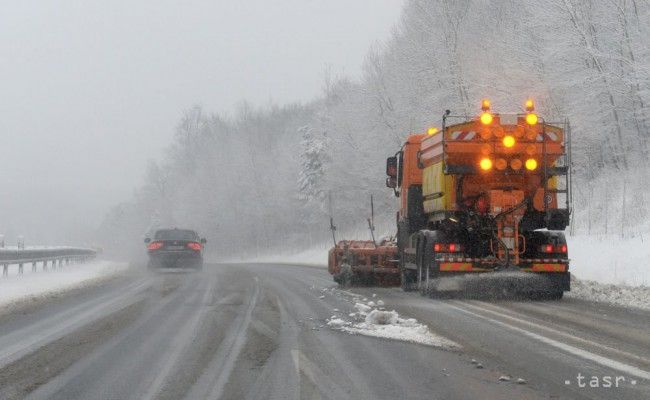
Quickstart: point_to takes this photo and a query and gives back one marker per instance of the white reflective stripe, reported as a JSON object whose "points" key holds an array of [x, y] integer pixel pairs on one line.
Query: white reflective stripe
{"points": [[470, 135], [455, 134], [551, 136]]}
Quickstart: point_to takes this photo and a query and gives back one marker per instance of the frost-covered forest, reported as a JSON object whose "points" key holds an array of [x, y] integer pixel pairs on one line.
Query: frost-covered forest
{"points": [[259, 180]]}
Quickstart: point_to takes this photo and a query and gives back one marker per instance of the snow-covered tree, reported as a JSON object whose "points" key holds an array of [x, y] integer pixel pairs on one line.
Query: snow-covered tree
{"points": [[313, 164]]}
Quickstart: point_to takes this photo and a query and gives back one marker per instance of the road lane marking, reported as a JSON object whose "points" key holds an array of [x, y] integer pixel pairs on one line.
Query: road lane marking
{"points": [[604, 361], [295, 355], [486, 308]]}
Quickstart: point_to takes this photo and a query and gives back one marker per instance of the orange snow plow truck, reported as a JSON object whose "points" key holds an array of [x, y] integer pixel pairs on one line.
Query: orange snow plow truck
{"points": [[483, 196]]}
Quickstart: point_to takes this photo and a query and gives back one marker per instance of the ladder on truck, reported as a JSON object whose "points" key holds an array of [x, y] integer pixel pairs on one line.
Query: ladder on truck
{"points": [[561, 168]]}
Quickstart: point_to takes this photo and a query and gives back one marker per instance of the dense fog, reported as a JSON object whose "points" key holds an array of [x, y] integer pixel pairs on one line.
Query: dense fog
{"points": [[92, 90]]}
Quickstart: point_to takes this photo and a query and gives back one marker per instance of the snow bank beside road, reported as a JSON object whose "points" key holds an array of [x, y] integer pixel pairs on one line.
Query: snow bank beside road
{"points": [[610, 259], [15, 288], [620, 295]]}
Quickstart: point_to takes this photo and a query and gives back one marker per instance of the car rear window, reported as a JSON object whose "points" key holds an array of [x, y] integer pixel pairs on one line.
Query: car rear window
{"points": [[176, 234]]}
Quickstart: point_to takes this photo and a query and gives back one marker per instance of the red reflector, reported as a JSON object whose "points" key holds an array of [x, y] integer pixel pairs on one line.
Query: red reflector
{"points": [[194, 246], [562, 249], [446, 248], [154, 245], [547, 248]]}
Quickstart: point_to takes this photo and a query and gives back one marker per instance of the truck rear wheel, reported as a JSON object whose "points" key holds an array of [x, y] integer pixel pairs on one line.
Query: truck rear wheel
{"points": [[422, 263], [427, 266]]}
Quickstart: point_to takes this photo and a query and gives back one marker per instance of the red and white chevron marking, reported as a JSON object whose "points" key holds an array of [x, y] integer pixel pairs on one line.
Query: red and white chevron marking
{"points": [[462, 135], [549, 135]]}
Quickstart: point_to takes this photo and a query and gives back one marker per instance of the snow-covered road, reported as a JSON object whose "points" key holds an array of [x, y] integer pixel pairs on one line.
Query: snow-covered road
{"points": [[267, 331]]}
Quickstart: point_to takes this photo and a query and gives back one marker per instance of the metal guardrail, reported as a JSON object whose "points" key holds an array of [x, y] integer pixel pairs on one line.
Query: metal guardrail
{"points": [[56, 257]]}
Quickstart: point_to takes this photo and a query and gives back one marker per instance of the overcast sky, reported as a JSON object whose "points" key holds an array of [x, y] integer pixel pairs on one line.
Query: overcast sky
{"points": [[91, 90]]}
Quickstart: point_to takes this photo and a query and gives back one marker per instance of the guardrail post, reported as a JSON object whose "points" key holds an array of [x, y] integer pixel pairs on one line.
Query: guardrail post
{"points": [[34, 266], [5, 269], [20, 269], [44, 265]]}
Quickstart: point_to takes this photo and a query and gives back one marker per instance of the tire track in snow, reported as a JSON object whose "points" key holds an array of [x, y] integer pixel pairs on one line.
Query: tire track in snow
{"points": [[213, 380], [180, 344], [21, 342]]}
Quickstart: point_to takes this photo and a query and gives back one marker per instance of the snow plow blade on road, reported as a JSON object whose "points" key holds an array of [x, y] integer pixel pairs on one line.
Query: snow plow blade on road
{"points": [[362, 262]]}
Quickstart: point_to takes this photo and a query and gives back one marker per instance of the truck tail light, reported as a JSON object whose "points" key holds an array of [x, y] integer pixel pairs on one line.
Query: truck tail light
{"points": [[194, 246], [447, 247], [549, 248], [154, 245]]}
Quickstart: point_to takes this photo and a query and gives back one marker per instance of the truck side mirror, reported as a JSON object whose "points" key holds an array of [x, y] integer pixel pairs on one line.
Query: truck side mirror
{"points": [[391, 182], [391, 168], [147, 240]]}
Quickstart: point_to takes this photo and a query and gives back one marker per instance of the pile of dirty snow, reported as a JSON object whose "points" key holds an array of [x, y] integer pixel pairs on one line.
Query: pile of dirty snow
{"points": [[371, 319]]}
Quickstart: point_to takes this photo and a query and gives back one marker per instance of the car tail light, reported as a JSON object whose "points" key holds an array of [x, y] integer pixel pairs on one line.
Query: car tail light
{"points": [[194, 246], [447, 247], [547, 248], [562, 248], [154, 245]]}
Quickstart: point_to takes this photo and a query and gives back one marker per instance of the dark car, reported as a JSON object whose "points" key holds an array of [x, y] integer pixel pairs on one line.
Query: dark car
{"points": [[175, 248]]}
